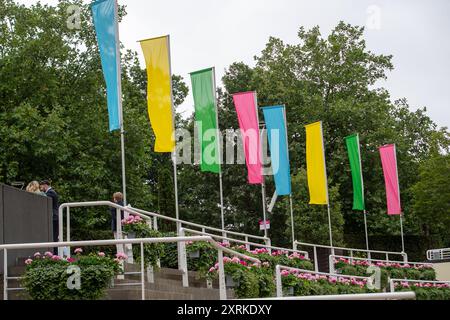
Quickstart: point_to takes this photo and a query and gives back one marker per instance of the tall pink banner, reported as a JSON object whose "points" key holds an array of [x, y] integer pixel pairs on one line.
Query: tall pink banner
{"points": [[245, 104], [389, 163]]}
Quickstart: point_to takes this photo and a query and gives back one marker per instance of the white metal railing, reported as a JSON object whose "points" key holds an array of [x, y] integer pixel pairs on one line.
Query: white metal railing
{"points": [[438, 254], [279, 283], [150, 217], [332, 257], [352, 251], [393, 281], [141, 242], [248, 244], [404, 295]]}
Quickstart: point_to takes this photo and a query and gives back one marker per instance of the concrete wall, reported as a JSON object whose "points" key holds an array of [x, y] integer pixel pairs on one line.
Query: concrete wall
{"points": [[442, 270], [24, 217]]}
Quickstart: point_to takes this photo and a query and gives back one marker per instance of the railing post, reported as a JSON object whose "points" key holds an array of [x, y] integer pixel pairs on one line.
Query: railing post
{"points": [[268, 244], [387, 257], [247, 246], [405, 257], [68, 230], [369, 256], [351, 256], [142, 273], [182, 260], [5, 274], [278, 282], [391, 286], [155, 223], [294, 245], [331, 264], [120, 247], [316, 264], [60, 230], [222, 287]]}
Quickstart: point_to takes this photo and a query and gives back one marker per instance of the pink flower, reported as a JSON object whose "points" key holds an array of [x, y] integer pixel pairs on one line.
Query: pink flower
{"points": [[48, 254], [70, 260], [37, 255], [243, 263], [56, 258], [284, 272], [235, 260], [101, 254], [216, 266], [78, 250], [212, 269], [28, 261], [121, 256], [266, 264]]}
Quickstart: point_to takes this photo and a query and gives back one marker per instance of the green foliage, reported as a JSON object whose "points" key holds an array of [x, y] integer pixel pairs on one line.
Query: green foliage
{"points": [[207, 256], [248, 282], [428, 293], [152, 251], [46, 279]]}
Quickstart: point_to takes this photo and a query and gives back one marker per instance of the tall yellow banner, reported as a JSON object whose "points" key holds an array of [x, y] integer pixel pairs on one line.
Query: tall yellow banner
{"points": [[315, 164], [159, 94]]}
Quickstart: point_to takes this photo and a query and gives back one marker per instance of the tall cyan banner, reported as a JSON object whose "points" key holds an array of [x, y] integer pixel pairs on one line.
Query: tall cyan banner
{"points": [[203, 90], [275, 120], [159, 92], [245, 104], [389, 163], [315, 164], [354, 156], [105, 23]]}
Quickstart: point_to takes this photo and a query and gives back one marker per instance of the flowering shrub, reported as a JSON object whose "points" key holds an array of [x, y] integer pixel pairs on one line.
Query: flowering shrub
{"points": [[152, 251], [425, 291], [207, 256], [46, 276], [305, 284], [393, 270]]}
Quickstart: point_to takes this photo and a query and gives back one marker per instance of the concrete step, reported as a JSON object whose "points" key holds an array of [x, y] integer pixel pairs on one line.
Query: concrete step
{"points": [[135, 294]]}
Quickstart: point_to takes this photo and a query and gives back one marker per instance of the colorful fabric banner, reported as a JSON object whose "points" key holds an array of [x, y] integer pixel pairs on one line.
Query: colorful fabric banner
{"points": [[105, 23], [159, 94], [275, 120], [315, 164], [354, 156], [389, 163], [245, 104], [203, 90]]}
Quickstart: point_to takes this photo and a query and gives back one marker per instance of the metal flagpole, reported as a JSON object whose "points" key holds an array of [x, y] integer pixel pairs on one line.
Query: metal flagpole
{"points": [[174, 152], [263, 184], [119, 93], [401, 230], [290, 195], [219, 150], [328, 198], [362, 190], [398, 188]]}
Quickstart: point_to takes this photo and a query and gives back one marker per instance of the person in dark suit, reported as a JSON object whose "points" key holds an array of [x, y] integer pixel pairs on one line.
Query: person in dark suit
{"points": [[45, 186]]}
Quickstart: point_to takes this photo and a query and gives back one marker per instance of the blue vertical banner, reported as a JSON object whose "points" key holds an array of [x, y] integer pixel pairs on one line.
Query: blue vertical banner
{"points": [[275, 119], [105, 22]]}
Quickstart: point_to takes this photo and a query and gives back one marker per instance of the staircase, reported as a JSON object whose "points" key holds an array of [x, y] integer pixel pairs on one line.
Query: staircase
{"points": [[167, 286]]}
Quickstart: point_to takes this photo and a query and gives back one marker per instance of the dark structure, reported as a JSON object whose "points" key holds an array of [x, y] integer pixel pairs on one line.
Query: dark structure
{"points": [[24, 217]]}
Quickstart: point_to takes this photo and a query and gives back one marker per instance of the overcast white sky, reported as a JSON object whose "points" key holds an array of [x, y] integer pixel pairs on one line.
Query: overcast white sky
{"points": [[217, 33]]}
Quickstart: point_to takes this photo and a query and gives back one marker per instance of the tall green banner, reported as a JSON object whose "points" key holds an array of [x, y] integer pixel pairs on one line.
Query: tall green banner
{"points": [[203, 90], [354, 157]]}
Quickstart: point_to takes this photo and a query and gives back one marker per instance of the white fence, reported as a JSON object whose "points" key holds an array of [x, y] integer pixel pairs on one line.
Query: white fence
{"points": [[438, 254], [141, 242]]}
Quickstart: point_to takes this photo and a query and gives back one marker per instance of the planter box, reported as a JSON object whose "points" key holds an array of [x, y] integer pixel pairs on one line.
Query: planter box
{"points": [[289, 291], [194, 254], [131, 235], [229, 281]]}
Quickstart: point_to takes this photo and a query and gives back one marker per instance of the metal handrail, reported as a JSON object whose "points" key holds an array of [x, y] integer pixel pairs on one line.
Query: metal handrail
{"points": [[279, 284], [404, 295], [141, 241], [351, 250], [247, 243], [438, 254], [184, 222], [392, 282], [141, 213], [332, 256]]}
